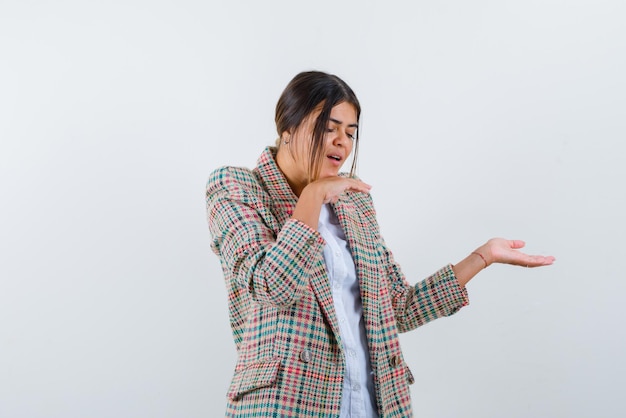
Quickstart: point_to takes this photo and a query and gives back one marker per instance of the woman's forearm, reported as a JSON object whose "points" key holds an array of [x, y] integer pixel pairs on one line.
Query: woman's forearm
{"points": [[469, 267], [308, 207]]}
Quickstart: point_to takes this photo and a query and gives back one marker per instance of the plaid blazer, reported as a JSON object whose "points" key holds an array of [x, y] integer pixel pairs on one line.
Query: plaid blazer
{"points": [[290, 357]]}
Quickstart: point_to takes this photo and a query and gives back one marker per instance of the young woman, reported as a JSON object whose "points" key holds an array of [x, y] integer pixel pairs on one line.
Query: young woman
{"points": [[316, 299]]}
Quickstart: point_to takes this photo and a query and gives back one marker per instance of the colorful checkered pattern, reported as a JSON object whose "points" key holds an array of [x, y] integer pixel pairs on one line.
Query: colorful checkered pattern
{"points": [[290, 362]]}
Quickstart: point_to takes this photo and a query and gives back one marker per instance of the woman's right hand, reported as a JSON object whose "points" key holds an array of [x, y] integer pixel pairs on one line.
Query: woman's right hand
{"points": [[322, 191], [330, 188]]}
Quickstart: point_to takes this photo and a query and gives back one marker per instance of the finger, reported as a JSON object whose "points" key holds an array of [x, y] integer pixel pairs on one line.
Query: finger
{"points": [[359, 189], [360, 183], [539, 260], [359, 186], [544, 260], [516, 244]]}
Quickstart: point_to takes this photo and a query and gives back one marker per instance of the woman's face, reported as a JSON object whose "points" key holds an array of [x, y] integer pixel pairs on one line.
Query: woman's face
{"points": [[338, 142]]}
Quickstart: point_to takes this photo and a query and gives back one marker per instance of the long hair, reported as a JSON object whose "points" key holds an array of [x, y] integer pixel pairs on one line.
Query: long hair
{"points": [[305, 93]]}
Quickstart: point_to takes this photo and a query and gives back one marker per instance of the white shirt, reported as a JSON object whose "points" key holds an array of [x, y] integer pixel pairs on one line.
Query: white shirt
{"points": [[358, 397]]}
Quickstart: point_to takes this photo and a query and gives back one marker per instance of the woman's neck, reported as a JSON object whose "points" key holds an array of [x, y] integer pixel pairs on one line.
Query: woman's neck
{"points": [[287, 165]]}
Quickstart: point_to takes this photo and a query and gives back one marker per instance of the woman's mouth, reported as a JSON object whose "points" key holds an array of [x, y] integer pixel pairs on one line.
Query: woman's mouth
{"points": [[335, 159]]}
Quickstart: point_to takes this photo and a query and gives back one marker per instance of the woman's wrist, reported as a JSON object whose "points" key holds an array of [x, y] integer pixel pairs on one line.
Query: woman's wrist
{"points": [[308, 208], [477, 260], [482, 257]]}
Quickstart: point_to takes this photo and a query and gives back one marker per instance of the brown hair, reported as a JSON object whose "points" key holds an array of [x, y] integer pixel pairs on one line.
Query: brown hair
{"points": [[305, 93]]}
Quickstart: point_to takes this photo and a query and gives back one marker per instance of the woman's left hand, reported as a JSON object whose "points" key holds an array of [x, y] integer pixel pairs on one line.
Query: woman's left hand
{"points": [[504, 251]]}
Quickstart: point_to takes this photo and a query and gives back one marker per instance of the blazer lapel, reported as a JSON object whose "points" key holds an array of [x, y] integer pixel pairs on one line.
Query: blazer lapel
{"points": [[320, 285], [363, 251], [283, 203]]}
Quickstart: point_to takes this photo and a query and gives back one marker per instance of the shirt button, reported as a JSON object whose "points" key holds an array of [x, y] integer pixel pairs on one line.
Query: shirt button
{"points": [[356, 387], [351, 353], [337, 285]]}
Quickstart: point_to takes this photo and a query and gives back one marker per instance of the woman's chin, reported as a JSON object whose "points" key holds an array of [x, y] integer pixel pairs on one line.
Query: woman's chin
{"points": [[329, 173]]}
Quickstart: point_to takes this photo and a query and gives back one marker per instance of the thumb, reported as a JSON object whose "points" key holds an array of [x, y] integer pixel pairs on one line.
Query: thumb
{"points": [[516, 244]]}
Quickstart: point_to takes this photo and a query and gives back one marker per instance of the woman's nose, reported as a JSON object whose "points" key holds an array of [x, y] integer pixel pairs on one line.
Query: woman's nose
{"points": [[340, 136]]}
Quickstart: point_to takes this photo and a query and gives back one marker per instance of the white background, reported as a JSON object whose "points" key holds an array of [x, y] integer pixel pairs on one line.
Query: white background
{"points": [[481, 119]]}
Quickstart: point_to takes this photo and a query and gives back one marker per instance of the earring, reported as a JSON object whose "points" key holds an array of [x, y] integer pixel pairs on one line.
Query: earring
{"points": [[286, 142]]}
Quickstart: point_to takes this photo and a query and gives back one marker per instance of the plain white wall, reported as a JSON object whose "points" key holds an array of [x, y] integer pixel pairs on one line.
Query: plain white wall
{"points": [[481, 119]]}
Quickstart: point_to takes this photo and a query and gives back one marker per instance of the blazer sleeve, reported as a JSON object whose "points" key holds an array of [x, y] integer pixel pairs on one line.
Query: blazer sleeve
{"points": [[436, 296], [274, 267]]}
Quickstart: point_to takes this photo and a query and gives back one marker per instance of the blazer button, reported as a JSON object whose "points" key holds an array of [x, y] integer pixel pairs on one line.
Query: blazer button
{"points": [[411, 378], [395, 361], [305, 356], [310, 241]]}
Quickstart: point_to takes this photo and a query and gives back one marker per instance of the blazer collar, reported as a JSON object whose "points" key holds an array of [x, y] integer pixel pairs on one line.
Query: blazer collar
{"points": [[282, 197]]}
